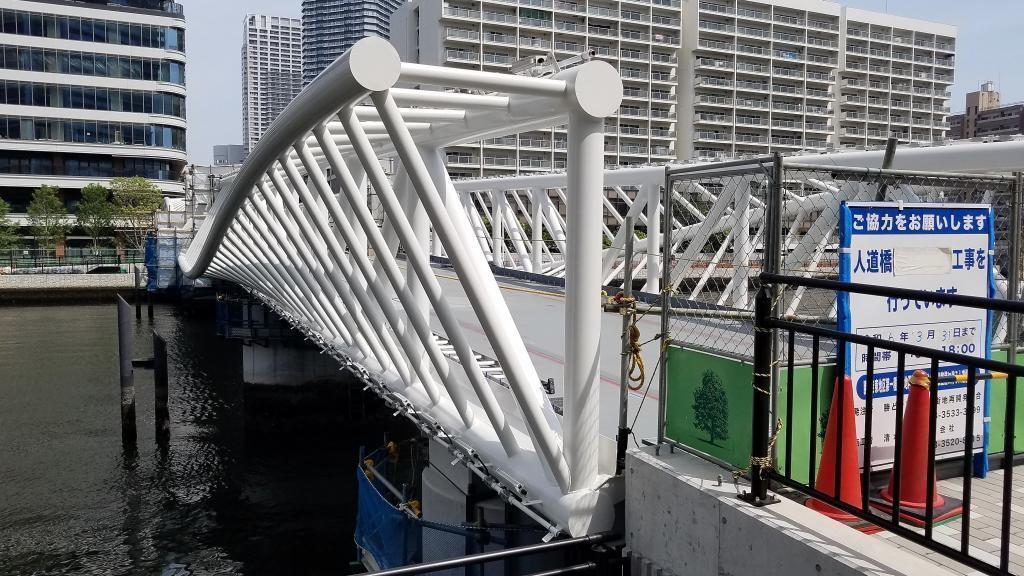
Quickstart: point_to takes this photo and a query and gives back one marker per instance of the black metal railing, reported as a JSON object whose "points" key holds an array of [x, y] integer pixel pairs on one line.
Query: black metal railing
{"points": [[71, 261], [771, 331]]}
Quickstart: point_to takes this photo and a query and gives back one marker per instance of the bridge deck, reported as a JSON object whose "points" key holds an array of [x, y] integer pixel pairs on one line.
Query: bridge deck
{"points": [[539, 313]]}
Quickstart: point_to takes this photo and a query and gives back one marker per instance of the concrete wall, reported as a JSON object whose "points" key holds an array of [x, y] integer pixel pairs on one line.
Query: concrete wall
{"points": [[682, 520]]}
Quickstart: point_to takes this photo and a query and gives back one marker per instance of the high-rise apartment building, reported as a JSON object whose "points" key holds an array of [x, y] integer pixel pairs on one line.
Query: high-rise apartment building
{"points": [[702, 78], [985, 115], [228, 154], [330, 27], [639, 38], [91, 91], [791, 75], [271, 72]]}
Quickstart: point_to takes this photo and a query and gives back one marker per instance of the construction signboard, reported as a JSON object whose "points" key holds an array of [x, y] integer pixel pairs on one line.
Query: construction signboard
{"points": [[942, 248]]}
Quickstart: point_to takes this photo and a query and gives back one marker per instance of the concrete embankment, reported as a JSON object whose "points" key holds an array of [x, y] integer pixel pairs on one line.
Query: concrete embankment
{"points": [[26, 288]]}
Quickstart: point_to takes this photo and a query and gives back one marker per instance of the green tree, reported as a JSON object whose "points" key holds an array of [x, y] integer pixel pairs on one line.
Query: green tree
{"points": [[135, 201], [95, 212], [8, 236], [711, 407], [48, 217]]}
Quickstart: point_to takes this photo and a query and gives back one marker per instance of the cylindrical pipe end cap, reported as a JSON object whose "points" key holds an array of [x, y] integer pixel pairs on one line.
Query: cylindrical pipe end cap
{"points": [[375, 63], [597, 89]]}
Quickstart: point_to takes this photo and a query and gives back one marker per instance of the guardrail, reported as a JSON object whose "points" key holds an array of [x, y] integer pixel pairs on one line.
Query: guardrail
{"points": [[42, 261], [769, 327]]}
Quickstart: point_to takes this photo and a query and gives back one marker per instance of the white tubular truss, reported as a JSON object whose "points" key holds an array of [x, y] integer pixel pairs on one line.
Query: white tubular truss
{"points": [[731, 212], [294, 228]]}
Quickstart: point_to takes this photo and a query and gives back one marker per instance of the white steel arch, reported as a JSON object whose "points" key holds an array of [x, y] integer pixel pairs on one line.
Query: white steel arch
{"points": [[294, 228]]}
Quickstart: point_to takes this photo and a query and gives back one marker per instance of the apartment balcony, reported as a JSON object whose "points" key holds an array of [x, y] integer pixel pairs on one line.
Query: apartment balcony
{"points": [[752, 104], [662, 96], [853, 131], [499, 162], [498, 59], [538, 43], [790, 20], [494, 38], [854, 83], [787, 72], [706, 136], [815, 143], [633, 55], [499, 17], [665, 21], [811, 110], [823, 25], [787, 107], [459, 34], [817, 127], [754, 121], [633, 112], [665, 39], [818, 94], [812, 41], [787, 124], [601, 11], [459, 160], [663, 58], [663, 114], [752, 86], [633, 150], [634, 94], [534, 163], [669, 3], [819, 77], [756, 50], [879, 37], [756, 32], [713, 100], [790, 142], [855, 49], [632, 131], [662, 77], [534, 143], [751, 139], [753, 14], [752, 68], [790, 38], [815, 59], [716, 8], [662, 151], [851, 99], [706, 118], [904, 88], [535, 22], [714, 64], [716, 26], [662, 133], [461, 13], [503, 142], [461, 56], [569, 6], [599, 31], [782, 89]]}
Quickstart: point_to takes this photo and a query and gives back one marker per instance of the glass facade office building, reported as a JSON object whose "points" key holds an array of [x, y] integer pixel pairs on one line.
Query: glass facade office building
{"points": [[90, 91], [330, 27]]}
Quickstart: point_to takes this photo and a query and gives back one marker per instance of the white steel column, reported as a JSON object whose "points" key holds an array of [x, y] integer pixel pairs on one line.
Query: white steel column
{"points": [[497, 226], [595, 98], [741, 247], [653, 192], [536, 229], [583, 297]]}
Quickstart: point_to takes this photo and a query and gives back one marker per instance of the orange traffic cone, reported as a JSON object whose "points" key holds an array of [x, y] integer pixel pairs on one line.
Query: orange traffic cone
{"points": [[914, 463], [849, 468]]}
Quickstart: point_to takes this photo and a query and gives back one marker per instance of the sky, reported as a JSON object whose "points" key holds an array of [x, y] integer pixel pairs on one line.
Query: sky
{"points": [[988, 48]]}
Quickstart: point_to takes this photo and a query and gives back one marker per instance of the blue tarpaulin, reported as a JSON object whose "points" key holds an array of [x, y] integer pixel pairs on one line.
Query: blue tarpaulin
{"points": [[383, 531]]}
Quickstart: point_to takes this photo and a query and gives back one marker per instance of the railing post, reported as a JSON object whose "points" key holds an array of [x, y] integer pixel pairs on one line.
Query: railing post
{"points": [[1013, 283], [666, 303], [163, 418], [760, 460], [627, 311]]}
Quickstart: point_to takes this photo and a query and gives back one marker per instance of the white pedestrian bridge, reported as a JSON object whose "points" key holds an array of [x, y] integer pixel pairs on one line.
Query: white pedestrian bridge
{"points": [[454, 347]]}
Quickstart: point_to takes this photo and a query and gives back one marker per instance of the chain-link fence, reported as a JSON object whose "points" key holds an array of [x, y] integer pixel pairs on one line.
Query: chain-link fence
{"points": [[721, 217]]}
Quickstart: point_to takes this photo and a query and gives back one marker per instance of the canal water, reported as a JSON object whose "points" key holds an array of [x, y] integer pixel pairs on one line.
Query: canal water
{"points": [[235, 492]]}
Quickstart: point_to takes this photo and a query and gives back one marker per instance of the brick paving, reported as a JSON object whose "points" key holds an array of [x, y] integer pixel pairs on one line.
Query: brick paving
{"points": [[986, 521]]}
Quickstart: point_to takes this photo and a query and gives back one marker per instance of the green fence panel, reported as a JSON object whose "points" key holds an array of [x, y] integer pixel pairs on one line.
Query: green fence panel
{"points": [[709, 404], [997, 410], [800, 423]]}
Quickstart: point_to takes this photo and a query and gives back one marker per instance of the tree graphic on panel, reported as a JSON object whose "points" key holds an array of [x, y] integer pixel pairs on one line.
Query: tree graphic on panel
{"points": [[711, 408]]}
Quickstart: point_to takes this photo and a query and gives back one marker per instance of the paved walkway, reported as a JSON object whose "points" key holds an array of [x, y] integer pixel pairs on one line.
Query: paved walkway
{"points": [[986, 520]]}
